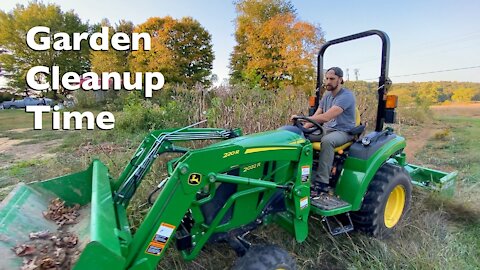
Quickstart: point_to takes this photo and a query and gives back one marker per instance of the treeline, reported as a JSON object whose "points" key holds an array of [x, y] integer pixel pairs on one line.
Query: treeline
{"points": [[274, 48], [181, 48], [437, 92], [423, 93]]}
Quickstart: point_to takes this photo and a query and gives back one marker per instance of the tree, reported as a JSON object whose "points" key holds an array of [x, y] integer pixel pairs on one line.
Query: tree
{"points": [[112, 60], [463, 95], [13, 30], [274, 49], [405, 96], [428, 93], [181, 50]]}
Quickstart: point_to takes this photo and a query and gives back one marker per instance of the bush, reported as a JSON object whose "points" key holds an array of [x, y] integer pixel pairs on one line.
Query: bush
{"points": [[225, 107], [5, 96], [414, 115], [85, 99], [53, 95], [254, 110]]}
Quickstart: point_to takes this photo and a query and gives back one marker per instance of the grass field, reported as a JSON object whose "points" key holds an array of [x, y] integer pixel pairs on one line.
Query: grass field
{"points": [[438, 234]]}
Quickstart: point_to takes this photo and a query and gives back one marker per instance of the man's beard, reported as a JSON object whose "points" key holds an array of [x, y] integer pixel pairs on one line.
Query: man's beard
{"points": [[331, 87]]}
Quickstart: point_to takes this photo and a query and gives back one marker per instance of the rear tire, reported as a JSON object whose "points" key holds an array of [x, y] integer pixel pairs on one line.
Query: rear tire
{"points": [[385, 203], [268, 257]]}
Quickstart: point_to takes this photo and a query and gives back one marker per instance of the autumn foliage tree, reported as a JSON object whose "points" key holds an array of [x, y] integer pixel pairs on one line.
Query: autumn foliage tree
{"points": [[464, 95], [180, 49], [14, 26], [274, 48]]}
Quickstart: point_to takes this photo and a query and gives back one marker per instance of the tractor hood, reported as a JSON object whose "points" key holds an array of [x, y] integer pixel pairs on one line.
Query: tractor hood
{"points": [[273, 138]]}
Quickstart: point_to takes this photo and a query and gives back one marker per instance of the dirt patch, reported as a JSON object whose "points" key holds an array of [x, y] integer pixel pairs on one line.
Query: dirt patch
{"points": [[417, 141], [20, 130], [470, 110], [20, 152], [6, 143]]}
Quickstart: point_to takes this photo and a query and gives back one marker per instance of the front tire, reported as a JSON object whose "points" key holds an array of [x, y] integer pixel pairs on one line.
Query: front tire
{"points": [[268, 257], [386, 201]]}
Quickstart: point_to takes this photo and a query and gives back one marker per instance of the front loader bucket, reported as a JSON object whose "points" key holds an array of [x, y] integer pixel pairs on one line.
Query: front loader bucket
{"points": [[21, 213]]}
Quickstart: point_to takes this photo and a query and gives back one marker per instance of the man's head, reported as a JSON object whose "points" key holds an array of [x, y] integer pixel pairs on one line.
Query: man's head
{"points": [[333, 78]]}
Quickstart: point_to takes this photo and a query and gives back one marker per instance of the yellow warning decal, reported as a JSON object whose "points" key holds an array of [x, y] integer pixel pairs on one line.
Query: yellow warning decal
{"points": [[194, 179], [160, 239], [303, 202], [263, 149], [154, 249]]}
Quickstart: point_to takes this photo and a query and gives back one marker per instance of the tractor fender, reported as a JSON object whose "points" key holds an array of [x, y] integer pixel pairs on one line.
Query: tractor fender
{"points": [[361, 166]]}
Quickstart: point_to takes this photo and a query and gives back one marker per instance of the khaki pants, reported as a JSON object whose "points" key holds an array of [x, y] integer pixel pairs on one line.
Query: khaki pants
{"points": [[332, 138]]}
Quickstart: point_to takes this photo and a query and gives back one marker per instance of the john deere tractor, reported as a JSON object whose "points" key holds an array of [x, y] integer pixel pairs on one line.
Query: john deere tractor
{"points": [[220, 192]]}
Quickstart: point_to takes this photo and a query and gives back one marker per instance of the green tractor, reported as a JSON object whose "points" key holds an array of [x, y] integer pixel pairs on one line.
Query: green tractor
{"points": [[223, 191]]}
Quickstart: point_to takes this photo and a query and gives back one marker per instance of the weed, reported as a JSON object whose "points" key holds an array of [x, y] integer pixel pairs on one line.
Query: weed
{"points": [[442, 134]]}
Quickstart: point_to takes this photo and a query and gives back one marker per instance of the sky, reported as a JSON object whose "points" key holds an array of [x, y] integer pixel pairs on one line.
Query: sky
{"points": [[426, 36]]}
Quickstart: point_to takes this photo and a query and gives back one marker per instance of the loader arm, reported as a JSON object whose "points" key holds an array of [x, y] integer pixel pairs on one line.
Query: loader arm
{"points": [[245, 206], [155, 144]]}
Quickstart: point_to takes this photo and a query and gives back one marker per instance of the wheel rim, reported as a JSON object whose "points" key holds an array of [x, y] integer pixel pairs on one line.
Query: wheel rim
{"points": [[394, 207]]}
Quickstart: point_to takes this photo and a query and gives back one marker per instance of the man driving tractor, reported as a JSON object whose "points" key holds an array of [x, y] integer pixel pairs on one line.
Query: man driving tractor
{"points": [[336, 111]]}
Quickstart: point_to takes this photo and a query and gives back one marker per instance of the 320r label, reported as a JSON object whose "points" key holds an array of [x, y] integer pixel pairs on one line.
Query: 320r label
{"points": [[231, 153]]}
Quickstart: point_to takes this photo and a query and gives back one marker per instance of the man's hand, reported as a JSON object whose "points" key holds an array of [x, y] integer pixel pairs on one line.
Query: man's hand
{"points": [[305, 125]]}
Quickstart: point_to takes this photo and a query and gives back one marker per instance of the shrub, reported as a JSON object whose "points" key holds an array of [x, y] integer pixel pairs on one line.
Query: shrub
{"points": [[5, 96], [413, 115]]}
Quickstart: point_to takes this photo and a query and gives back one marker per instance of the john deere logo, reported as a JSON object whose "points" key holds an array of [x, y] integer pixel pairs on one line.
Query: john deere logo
{"points": [[194, 179]]}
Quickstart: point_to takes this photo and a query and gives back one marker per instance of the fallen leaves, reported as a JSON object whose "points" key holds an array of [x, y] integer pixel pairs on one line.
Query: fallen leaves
{"points": [[52, 250], [39, 235], [61, 214], [49, 250], [107, 148], [23, 250]]}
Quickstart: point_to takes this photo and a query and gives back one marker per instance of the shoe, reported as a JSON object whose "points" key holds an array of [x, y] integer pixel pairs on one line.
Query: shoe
{"points": [[318, 188]]}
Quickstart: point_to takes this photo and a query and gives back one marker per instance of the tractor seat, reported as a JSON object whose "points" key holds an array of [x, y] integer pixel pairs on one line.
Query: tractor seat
{"points": [[356, 131]]}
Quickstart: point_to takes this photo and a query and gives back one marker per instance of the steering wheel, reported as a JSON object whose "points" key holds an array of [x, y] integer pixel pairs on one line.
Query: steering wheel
{"points": [[298, 122]]}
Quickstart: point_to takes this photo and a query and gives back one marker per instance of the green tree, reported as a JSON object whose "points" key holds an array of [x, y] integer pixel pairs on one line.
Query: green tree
{"points": [[112, 60], [13, 30], [463, 95], [181, 50], [274, 48]]}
